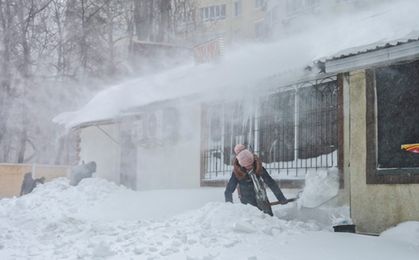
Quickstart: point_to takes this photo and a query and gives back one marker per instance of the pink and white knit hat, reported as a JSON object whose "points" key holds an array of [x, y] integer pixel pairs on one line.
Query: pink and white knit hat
{"points": [[245, 158], [238, 148]]}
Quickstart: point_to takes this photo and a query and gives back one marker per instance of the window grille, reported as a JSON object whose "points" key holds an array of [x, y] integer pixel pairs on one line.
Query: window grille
{"points": [[226, 126], [291, 131]]}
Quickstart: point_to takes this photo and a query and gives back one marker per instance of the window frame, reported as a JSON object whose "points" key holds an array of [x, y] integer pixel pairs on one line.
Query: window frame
{"points": [[213, 13], [374, 175], [259, 4], [237, 8]]}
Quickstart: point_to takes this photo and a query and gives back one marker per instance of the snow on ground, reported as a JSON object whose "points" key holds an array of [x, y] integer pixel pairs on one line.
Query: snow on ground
{"points": [[100, 220]]}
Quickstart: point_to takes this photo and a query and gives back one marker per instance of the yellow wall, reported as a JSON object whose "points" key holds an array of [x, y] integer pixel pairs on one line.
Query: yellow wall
{"points": [[233, 27], [11, 176], [374, 207]]}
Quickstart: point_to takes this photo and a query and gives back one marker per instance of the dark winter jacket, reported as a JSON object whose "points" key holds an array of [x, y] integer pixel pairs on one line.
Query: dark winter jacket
{"points": [[28, 183], [247, 191]]}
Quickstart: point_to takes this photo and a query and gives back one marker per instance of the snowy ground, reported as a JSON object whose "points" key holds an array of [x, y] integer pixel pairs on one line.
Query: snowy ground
{"points": [[100, 220]]}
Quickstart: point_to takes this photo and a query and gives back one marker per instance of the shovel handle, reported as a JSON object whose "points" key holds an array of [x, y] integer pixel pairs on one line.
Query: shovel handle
{"points": [[283, 202]]}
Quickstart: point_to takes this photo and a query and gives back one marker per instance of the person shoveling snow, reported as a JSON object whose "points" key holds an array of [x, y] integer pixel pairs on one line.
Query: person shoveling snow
{"points": [[251, 176]]}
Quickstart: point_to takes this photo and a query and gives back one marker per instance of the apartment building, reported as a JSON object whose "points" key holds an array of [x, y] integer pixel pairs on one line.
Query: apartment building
{"points": [[288, 11], [233, 20]]}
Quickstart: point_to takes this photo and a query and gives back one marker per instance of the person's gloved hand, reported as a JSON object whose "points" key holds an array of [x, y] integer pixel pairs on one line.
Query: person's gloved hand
{"points": [[283, 202], [286, 201]]}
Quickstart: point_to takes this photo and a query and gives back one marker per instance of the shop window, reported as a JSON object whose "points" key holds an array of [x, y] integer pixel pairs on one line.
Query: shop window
{"points": [[397, 115]]}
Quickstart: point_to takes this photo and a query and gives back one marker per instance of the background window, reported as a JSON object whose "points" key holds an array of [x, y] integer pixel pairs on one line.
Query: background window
{"points": [[216, 12], [237, 8], [259, 3], [223, 11]]}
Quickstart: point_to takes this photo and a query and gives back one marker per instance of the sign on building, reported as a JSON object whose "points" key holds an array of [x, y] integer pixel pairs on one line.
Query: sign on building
{"points": [[209, 51]]}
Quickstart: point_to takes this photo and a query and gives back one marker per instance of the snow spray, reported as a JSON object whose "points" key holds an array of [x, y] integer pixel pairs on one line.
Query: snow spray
{"points": [[321, 186]]}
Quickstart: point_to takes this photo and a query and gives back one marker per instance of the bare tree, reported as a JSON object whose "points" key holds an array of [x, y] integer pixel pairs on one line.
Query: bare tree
{"points": [[7, 20], [26, 13], [55, 53]]}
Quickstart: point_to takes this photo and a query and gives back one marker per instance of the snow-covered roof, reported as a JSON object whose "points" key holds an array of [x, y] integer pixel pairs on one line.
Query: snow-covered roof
{"points": [[241, 70], [413, 36]]}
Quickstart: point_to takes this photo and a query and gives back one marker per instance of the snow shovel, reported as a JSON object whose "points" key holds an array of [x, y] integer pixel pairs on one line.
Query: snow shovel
{"points": [[311, 206], [284, 202], [320, 188]]}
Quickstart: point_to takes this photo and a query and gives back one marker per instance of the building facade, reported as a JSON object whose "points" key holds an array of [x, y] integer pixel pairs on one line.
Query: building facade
{"points": [[233, 20]]}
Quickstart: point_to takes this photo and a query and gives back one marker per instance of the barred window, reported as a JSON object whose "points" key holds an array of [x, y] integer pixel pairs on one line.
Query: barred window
{"points": [[227, 125], [276, 128], [291, 131], [318, 124]]}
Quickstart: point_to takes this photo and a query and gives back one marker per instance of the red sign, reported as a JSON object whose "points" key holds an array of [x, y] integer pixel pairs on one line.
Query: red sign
{"points": [[209, 51]]}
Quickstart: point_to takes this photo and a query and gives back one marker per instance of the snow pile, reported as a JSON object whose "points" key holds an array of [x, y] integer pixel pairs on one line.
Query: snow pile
{"points": [[59, 221], [57, 199], [320, 187], [407, 232]]}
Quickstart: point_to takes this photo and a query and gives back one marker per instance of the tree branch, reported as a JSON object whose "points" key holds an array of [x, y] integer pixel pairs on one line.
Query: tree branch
{"points": [[97, 10]]}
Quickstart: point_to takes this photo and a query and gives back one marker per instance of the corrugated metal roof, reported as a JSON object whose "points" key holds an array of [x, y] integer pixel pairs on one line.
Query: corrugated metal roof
{"points": [[413, 36]]}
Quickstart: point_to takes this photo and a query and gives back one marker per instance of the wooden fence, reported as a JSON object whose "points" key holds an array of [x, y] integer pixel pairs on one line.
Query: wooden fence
{"points": [[11, 175]]}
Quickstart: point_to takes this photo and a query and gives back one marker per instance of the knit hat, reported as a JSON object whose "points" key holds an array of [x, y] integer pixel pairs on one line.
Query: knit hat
{"points": [[245, 158], [238, 148]]}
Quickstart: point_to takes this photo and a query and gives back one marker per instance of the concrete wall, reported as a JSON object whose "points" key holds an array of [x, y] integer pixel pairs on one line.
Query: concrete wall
{"points": [[159, 166], [101, 144], [176, 165], [345, 192], [11, 176], [374, 207]]}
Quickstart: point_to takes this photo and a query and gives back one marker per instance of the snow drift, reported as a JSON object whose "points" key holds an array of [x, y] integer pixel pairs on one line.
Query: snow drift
{"points": [[59, 221]]}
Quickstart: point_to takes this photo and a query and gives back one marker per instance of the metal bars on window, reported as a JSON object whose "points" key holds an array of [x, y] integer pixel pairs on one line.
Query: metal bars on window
{"points": [[292, 131], [227, 125]]}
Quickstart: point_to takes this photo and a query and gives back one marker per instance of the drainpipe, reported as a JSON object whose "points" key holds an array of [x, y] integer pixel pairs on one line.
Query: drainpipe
{"points": [[256, 128], [296, 128]]}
